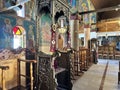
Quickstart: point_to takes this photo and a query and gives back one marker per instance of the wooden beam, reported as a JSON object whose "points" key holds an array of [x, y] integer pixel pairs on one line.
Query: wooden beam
{"points": [[101, 10]]}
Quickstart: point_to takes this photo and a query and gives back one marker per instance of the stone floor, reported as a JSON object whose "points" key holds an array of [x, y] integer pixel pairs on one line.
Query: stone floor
{"points": [[100, 76]]}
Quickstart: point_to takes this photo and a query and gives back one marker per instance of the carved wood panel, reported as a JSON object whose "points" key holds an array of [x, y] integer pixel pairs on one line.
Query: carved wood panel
{"points": [[108, 26], [61, 6], [45, 73]]}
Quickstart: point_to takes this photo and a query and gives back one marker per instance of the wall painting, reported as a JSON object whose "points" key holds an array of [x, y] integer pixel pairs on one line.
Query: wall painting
{"points": [[6, 34]]}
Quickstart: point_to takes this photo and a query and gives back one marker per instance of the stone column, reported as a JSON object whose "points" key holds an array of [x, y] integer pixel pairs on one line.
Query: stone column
{"points": [[86, 36], [74, 28], [72, 32], [76, 39]]}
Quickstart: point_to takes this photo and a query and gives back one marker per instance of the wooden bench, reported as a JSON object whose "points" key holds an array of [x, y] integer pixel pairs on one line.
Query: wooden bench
{"points": [[100, 52], [117, 55]]}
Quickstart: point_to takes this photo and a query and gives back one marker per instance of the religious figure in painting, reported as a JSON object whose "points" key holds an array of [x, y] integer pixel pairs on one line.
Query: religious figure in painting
{"points": [[8, 33], [30, 9], [46, 34], [8, 28], [86, 16], [31, 37]]}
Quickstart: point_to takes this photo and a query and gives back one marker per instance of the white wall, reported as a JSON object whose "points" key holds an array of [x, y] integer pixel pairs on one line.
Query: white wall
{"points": [[108, 33], [92, 35]]}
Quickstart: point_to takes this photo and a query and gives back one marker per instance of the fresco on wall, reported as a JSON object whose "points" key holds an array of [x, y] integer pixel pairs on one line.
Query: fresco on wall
{"points": [[93, 18], [93, 21], [92, 15], [6, 34], [6, 3], [1, 4], [30, 10], [72, 3], [91, 6], [30, 34], [84, 7], [73, 8], [45, 29], [6, 31]]}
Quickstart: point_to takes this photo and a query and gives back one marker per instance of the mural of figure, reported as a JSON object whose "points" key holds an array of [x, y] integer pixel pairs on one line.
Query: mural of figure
{"points": [[8, 33], [46, 34], [93, 18], [30, 9], [84, 6], [86, 16], [31, 37], [8, 28]]}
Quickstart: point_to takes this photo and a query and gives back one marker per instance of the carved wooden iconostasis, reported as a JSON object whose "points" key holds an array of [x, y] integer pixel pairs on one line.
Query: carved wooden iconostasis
{"points": [[62, 33], [52, 16], [44, 22], [61, 22], [49, 24]]}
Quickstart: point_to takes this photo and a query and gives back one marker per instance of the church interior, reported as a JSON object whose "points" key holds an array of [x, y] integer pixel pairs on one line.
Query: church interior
{"points": [[59, 44]]}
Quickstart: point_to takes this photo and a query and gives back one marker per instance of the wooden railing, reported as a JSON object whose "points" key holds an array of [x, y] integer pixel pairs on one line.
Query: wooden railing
{"points": [[25, 76], [81, 60], [3, 68]]}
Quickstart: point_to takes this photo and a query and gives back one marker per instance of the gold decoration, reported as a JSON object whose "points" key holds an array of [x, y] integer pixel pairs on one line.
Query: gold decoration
{"points": [[54, 27], [62, 30]]}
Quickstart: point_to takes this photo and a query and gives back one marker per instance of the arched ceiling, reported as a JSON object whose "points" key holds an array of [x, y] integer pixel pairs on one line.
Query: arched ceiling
{"points": [[100, 4]]}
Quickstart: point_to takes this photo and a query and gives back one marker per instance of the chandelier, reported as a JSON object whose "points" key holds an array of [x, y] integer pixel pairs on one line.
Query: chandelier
{"points": [[62, 30], [62, 25]]}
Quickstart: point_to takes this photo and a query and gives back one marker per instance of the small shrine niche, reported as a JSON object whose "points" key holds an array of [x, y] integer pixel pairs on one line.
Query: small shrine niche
{"points": [[61, 30]]}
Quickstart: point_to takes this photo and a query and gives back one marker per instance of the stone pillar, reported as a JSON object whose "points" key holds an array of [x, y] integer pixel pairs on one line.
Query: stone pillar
{"points": [[74, 28], [72, 32], [86, 36], [76, 39]]}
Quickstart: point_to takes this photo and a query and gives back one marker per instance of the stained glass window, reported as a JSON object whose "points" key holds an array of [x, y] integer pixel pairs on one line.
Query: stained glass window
{"points": [[18, 30]]}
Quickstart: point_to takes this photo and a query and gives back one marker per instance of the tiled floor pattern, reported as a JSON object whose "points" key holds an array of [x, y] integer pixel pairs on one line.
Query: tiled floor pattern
{"points": [[93, 78]]}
